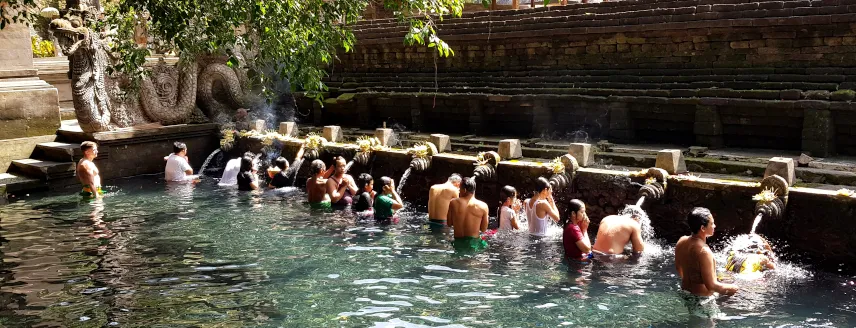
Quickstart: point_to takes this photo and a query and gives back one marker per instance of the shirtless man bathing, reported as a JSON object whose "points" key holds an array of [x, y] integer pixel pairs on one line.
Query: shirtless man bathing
{"points": [[696, 266], [468, 216], [87, 172], [616, 231], [438, 201], [316, 186]]}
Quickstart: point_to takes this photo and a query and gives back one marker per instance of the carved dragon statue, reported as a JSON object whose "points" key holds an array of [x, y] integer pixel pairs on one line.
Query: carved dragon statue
{"points": [[169, 95]]}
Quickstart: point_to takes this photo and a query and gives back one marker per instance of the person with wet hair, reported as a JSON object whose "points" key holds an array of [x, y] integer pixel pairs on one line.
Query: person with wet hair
{"points": [[279, 177], [248, 178], [87, 172], [508, 209], [387, 202], [316, 186], [749, 254], [468, 216], [575, 238], [541, 208], [177, 165], [616, 231], [696, 266], [365, 199], [439, 197]]}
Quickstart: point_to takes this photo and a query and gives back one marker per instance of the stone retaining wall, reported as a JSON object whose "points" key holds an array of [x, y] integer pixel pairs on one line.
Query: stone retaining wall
{"points": [[810, 213], [738, 73]]}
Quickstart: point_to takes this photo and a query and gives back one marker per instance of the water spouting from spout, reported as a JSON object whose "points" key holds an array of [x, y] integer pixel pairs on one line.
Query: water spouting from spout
{"points": [[640, 201], [348, 166], [207, 161], [756, 222], [292, 171], [404, 179]]}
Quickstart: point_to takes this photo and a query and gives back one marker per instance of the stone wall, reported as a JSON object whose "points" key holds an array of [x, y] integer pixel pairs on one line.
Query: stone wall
{"points": [[810, 213], [737, 73]]}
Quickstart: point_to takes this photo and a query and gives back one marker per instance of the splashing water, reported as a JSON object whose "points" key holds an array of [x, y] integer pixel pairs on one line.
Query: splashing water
{"points": [[293, 170], [756, 222], [208, 160], [403, 180], [348, 166], [644, 220]]}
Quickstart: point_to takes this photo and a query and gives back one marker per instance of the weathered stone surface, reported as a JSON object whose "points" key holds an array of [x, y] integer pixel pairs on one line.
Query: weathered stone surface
{"points": [[671, 160], [288, 129], [441, 141], [259, 125], [333, 133], [384, 135], [783, 167], [510, 149], [818, 134], [583, 153]]}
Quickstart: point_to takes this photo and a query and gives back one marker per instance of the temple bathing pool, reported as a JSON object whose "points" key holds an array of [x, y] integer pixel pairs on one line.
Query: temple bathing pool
{"points": [[156, 256]]}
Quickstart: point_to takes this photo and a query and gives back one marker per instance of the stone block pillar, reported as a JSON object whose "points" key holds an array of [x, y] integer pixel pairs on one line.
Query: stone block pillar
{"points": [[442, 142], [818, 134], [621, 127], [671, 160], [583, 153], [510, 149], [364, 113], [29, 107], [708, 127], [288, 129], [259, 125], [416, 119], [476, 126], [333, 133], [384, 135], [542, 118], [783, 167]]}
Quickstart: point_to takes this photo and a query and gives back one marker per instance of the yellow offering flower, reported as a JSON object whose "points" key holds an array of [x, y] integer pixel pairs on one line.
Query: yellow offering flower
{"points": [[557, 166], [314, 141], [766, 196], [844, 192]]}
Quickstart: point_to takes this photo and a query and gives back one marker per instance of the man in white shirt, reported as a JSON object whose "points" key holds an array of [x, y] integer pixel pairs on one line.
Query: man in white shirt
{"points": [[177, 167]]}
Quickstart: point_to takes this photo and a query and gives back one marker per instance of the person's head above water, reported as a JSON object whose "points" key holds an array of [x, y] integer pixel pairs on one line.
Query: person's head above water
{"points": [[542, 187], [364, 182], [507, 195], [700, 221], [246, 163], [89, 149], [633, 212], [317, 167], [340, 165], [388, 185], [578, 212], [455, 180], [468, 187], [179, 148], [281, 163]]}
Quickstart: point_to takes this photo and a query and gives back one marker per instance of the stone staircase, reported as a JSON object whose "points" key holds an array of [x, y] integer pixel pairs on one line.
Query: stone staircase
{"points": [[715, 73], [51, 164]]}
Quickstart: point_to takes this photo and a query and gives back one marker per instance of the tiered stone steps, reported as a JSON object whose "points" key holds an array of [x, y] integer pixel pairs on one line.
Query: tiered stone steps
{"points": [[51, 162]]}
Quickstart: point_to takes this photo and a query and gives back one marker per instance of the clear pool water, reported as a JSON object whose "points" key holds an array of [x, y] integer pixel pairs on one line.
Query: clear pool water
{"points": [[155, 256]]}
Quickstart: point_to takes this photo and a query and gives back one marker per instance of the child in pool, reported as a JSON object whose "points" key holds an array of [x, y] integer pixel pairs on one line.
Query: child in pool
{"points": [[365, 200], [510, 208], [387, 203]]}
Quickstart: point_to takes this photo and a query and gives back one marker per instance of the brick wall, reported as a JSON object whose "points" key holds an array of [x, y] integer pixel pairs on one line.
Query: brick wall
{"points": [[736, 73]]}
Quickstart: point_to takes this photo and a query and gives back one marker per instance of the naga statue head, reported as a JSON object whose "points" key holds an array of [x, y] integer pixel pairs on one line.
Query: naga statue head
{"points": [[70, 30]]}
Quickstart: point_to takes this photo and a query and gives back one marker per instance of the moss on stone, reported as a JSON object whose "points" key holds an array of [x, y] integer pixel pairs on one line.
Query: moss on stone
{"points": [[843, 95]]}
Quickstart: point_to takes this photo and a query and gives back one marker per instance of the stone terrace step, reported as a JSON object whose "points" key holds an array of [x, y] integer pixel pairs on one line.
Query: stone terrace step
{"points": [[58, 151], [12, 182], [45, 170], [768, 13]]}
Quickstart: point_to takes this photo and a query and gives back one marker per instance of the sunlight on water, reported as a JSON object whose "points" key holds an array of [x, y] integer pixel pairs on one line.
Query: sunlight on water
{"points": [[180, 256]]}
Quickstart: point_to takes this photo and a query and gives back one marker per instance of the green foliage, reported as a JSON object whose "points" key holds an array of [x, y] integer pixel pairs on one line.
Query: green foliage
{"points": [[294, 39]]}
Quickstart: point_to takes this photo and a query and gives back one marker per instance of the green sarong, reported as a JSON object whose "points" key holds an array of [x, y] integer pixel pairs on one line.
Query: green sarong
{"points": [[325, 205], [469, 244]]}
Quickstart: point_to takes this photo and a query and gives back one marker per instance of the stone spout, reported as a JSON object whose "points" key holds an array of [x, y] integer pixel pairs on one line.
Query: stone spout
{"points": [[561, 180]]}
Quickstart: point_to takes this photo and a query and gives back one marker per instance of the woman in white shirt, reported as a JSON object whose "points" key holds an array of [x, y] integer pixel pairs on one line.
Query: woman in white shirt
{"points": [[509, 209], [541, 208]]}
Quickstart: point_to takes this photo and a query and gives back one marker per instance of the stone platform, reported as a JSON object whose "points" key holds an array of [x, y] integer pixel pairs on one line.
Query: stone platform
{"points": [[123, 153]]}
